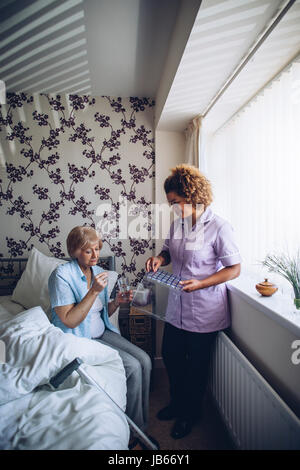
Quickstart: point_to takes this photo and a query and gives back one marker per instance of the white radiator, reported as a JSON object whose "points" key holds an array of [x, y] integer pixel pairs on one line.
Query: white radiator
{"points": [[256, 417]]}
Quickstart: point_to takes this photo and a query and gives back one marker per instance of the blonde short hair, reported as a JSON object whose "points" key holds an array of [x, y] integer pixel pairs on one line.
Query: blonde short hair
{"points": [[80, 238]]}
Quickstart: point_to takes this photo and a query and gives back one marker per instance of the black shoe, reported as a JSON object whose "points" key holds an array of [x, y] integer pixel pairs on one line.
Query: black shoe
{"points": [[182, 427], [167, 413]]}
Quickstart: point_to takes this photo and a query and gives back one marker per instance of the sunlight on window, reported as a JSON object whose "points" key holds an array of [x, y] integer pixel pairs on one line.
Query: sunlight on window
{"points": [[254, 165]]}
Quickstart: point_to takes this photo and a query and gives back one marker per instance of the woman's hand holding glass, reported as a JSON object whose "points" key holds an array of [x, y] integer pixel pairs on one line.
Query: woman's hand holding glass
{"points": [[126, 297], [125, 294]]}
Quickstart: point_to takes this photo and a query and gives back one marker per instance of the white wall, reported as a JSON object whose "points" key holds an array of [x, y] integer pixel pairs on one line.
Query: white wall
{"points": [[185, 20], [170, 148]]}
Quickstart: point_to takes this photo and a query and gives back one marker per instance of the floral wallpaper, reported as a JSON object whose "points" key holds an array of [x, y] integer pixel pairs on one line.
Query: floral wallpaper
{"points": [[62, 157]]}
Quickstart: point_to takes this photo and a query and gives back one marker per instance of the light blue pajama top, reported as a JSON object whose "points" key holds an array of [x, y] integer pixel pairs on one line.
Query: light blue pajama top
{"points": [[68, 285]]}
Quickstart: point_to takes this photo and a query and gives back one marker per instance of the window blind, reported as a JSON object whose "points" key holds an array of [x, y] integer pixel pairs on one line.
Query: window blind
{"points": [[253, 163]]}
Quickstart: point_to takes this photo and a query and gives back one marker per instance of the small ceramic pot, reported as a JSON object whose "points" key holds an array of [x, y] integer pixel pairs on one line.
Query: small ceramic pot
{"points": [[266, 288]]}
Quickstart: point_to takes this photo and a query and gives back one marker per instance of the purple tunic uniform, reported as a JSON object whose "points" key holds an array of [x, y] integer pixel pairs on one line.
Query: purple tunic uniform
{"points": [[197, 253]]}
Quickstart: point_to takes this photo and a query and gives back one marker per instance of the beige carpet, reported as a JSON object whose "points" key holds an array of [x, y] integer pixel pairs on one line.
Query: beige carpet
{"points": [[209, 434]]}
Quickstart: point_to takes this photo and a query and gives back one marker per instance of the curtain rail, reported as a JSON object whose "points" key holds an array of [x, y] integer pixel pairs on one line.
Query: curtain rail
{"points": [[263, 36], [285, 68]]}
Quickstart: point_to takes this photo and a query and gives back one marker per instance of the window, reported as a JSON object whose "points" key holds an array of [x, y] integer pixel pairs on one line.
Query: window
{"points": [[253, 163]]}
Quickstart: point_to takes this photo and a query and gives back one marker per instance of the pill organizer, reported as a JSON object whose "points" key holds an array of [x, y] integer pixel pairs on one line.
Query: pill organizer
{"points": [[165, 278]]}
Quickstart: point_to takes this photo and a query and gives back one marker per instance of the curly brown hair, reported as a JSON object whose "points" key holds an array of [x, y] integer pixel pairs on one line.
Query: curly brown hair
{"points": [[188, 182]]}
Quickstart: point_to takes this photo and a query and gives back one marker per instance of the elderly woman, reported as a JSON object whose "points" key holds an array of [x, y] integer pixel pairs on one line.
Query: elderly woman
{"points": [[80, 305], [199, 244]]}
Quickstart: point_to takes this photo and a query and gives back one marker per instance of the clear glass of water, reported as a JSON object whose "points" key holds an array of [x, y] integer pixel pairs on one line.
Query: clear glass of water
{"points": [[124, 287]]}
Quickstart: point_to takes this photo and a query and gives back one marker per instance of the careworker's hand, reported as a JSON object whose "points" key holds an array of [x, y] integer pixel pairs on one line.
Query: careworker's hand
{"points": [[100, 282], [153, 263], [190, 285]]}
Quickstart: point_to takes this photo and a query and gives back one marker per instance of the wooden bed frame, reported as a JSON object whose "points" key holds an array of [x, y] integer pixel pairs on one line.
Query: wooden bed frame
{"points": [[11, 270]]}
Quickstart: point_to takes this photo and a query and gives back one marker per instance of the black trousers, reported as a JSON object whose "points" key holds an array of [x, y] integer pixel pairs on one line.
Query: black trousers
{"points": [[186, 355]]}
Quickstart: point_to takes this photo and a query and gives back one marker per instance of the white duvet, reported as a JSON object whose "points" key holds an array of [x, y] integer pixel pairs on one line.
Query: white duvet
{"points": [[76, 415]]}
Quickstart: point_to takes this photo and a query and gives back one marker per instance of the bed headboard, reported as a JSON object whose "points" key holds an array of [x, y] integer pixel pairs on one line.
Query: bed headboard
{"points": [[11, 270]]}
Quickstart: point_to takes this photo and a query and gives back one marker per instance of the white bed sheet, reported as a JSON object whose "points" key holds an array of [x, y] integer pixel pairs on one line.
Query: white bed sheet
{"points": [[77, 415]]}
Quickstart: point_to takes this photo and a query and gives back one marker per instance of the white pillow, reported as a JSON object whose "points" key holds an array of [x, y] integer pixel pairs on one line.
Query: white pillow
{"points": [[32, 288]]}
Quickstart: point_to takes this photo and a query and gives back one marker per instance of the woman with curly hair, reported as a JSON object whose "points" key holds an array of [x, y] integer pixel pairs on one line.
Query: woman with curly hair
{"points": [[199, 244]]}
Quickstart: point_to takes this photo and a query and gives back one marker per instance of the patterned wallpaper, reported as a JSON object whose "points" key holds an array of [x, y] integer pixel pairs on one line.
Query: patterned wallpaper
{"points": [[62, 157]]}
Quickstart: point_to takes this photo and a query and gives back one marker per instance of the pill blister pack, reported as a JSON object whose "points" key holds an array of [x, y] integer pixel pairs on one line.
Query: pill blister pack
{"points": [[165, 278]]}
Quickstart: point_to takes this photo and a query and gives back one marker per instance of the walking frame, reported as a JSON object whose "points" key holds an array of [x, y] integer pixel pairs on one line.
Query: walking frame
{"points": [[75, 365]]}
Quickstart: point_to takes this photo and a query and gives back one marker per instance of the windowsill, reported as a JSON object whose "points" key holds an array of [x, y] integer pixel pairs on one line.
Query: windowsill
{"points": [[279, 307]]}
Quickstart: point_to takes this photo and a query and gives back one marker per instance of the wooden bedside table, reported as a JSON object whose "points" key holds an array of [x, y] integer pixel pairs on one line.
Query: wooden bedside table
{"points": [[138, 328]]}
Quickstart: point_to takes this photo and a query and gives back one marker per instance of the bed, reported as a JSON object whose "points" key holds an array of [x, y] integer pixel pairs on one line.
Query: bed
{"points": [[34, 415]]}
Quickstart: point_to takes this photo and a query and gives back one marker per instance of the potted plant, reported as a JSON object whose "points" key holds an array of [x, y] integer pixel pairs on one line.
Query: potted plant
{"points": [[289, 268]]}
